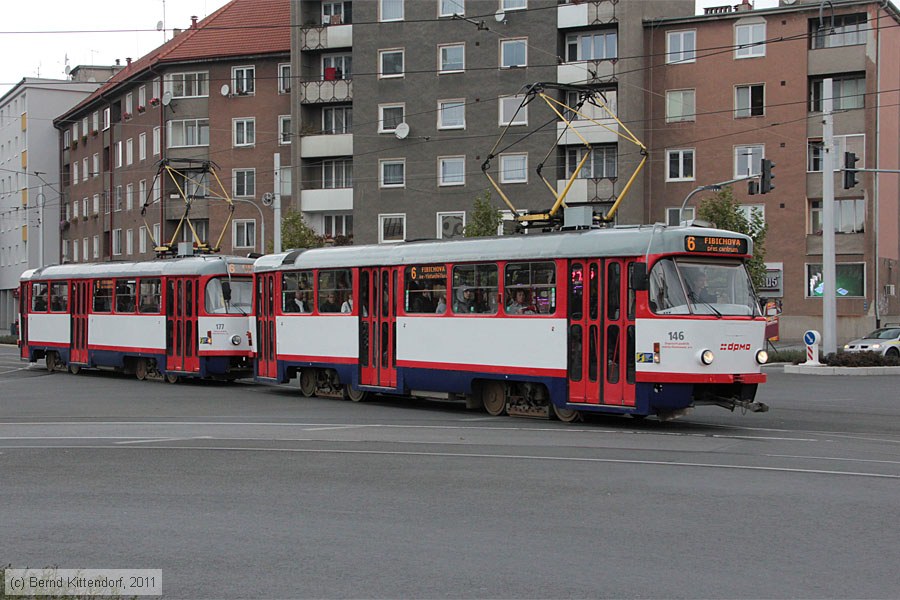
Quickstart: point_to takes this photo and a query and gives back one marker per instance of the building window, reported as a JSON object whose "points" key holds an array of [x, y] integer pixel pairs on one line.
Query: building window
{"points": [[514, 168], [750, 40], [680, 106], [337, 173], [390, 63], [747, 160], [284, 129], [849, 216], [119, 154], [451, 170], [393, 172], [243, 80], [840, 30], [129, 241], [513, 4], [681, 47], [129, 196], [142, 146], [674, 215], [95, 119], [244, 182], [749, 100], [333, 13], [187, 133], [96, 204], [129, 151], [75, 169], [513, 53], [142, 239], [597, 45], [107, 118], [390, 10], [286, 178], [389, 116], [451, 225], [157, 235], [157, 140], [391, 228], [95, 165], [142, 97], [750, 212], [129, 105], [284, 78], [142, 192], [118, 199], [600, 165], [337, 66], [67, 139], [451, 58], [451, 114], [244, 131], [244, 233], [848, 91], [851, 280], [188, 85], [512, 111], [336, 225], [815, 150], [448, 8], [337, 120], [680, 163], [96, 244]]}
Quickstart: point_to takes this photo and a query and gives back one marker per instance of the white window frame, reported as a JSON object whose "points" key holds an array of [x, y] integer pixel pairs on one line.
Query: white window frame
{"points": [[129, 103], [333, 111], [449, 8], [142, 239], [381, 56], [682, 153], [142, 146], [199, 84], [381, 220], [129, 196], [451, 104], [755, 47], [95, 121], [129, 151], [507, 106], [748, 109], [504, 165], [440, 223], [284, 78], [129, 241], [157, 234], [394, 105], [107, 118], [85, 169], [382, 4], [119, 154], [442, 69], [243, 132], [513, 4], [96, 244], [235, 175], [681, 56], [142, 97], [672, 97], [442, 160], [381, 175], [673, 215], [239, 233], [284, 137], [157, 140], [243, 80], [142, 192], [186, 124], [740, 154], [95, 165], [507, 43]]}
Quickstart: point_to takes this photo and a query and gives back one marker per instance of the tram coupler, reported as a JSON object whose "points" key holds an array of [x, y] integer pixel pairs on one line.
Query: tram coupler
{"points": [[750, 405]]}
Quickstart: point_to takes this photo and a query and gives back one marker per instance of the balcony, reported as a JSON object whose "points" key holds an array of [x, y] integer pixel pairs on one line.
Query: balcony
{"points": [[317, 146], [587, 190], [586, 72], [335, 90], [584, 13], [326, 38], [326, 200]]}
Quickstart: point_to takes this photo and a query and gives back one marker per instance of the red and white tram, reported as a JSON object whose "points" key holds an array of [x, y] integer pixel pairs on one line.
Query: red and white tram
{"points": [[603, 320], [184, 317]]}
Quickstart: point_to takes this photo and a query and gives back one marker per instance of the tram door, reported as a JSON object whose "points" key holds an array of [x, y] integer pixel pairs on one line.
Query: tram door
{"points": [[266, 361], [24, 308], [81, 299], [378, 327], [618, 335], [585, 364], [181, 324]]}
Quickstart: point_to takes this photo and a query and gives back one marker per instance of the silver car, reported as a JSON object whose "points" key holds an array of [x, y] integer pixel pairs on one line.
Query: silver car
{"points": [[885, 341]]}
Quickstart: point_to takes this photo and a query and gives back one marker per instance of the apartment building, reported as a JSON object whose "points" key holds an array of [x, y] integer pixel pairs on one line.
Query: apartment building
{"points": [[29, 175], [735, 85], [397, 103], [213, 105]]}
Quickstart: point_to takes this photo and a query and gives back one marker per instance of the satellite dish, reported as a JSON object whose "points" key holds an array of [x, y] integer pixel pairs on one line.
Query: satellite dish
{"points": [[402, 131], [268, 198], [68, 69], [167, 98], [224, 90], [500, 16], [159, 25]]}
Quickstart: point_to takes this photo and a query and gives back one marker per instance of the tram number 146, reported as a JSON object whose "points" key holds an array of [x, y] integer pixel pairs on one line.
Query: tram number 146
{"points": [[676, 336]]}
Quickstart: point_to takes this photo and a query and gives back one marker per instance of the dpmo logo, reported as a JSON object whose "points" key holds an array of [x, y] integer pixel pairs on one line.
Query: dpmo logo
{"points": [[732, 347]]}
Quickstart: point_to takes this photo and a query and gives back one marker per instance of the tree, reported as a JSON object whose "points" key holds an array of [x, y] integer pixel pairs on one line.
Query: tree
{"points": [[485, 218], [296, 233], [722, 210]]}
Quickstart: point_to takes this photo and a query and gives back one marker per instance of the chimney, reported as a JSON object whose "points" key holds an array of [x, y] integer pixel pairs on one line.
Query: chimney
{"points": [[744, 6], [175, 32], [128, 61], [118, 62], [194, 22]]}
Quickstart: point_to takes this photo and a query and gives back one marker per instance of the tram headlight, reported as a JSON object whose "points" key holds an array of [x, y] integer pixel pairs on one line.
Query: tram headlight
{"points": [[236, 340], [762, 357], [707, 357]]}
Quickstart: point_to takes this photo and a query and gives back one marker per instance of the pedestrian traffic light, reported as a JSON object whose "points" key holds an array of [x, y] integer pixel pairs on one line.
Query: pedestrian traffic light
{"points": [[850, 172], [752, 187], [766, 176]]}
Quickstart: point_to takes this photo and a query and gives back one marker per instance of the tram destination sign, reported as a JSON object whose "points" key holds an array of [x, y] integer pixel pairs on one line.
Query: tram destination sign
{"points": [[715, 244]]}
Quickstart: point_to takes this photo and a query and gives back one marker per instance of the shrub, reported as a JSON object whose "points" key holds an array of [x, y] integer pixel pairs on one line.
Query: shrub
{"points": [[860, 359]]}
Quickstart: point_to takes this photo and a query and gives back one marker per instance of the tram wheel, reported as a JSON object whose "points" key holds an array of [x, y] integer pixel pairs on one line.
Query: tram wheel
{"points": [[567, 415], [140, 369], [52, 360], [172, 378], [308, 383], [493, 395], [74, 369], [354, 395]]}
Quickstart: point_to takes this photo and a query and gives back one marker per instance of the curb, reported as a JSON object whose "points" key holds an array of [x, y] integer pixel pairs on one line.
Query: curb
{"points": [[853, 371]]}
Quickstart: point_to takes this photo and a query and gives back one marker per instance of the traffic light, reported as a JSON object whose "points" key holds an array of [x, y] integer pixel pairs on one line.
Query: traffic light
{"points": [[850, 172], [766, 176], [752, 188]]}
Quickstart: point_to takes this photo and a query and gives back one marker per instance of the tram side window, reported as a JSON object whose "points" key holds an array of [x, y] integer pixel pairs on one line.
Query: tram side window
{"points": [[335, 288], [666, 292], [59, 296], [475, 289], [151, 292], [530, 288], [38, 297], [296, 292], [125, 295], [426, 289], [103, 289]]}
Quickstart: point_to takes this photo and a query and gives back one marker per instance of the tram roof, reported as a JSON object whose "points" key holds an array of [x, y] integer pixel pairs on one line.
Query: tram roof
{"points": [[188, 265], [619, 241]]}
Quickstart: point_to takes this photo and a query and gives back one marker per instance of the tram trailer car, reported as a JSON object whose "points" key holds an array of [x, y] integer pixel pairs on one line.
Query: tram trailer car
{"points": [[182, 317], [603, 320]]}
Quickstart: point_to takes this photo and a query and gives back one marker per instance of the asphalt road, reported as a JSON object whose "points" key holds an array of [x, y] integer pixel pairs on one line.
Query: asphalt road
{"points": [[249, 491]]}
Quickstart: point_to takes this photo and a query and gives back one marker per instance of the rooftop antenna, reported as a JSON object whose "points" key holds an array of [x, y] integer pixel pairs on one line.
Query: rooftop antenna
{"points": [[161, 26]]}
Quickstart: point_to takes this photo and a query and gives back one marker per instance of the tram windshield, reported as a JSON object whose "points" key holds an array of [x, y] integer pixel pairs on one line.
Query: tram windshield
{"points": [[688, 286], [241, 296]]}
